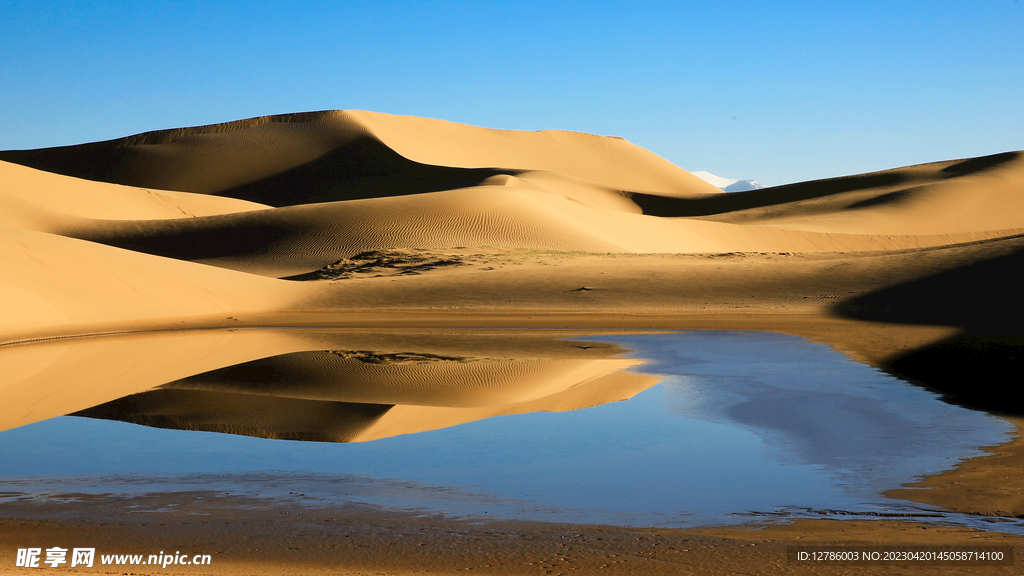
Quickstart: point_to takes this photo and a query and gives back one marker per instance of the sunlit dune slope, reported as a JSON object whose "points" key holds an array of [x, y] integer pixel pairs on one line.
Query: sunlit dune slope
{"points": [[53, 285], [340, 155], [607, 161], [352, 182], [533, 211]]}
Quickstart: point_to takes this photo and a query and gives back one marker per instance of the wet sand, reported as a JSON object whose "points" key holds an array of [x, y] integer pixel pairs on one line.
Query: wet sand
{"points": [[246, 537]]}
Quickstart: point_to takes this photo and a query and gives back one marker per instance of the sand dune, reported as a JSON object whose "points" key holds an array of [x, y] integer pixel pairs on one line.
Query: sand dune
{"points": [[351, 182], [230, 159], [55, 286], [206, 159], [944, 197], [533, 211], [394, 219]]}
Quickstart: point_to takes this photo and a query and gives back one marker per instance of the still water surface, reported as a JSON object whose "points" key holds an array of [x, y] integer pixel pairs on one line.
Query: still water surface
{"points": [[743, 426]]}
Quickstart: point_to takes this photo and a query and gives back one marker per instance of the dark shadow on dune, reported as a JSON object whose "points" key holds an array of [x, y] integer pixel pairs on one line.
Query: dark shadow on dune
{"points": [[976, 370], [981, 366], [733, 201], [365, 168], [981, 163], [889, 198], [125, 160], [250, 234], [244, 414], [100, 161], [192, 239]]}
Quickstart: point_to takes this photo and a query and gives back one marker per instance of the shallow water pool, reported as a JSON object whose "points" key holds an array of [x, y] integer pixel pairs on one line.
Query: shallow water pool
{"points": [[744, 426]]}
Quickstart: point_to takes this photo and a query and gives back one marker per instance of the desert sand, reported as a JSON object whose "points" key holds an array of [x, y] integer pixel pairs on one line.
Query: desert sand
{"points": [[395, 228]]}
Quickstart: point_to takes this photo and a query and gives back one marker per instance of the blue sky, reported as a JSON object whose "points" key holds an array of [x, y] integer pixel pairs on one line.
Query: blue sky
{"points": [[777, 93]]}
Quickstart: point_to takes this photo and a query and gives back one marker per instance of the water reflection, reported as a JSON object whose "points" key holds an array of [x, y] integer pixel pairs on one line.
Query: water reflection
{"points": [[742, 423], [810, 405], [341, 386]]}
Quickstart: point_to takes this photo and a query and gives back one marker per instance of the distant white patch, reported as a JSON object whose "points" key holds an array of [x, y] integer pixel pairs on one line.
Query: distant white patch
{"points": [[727, 184]]}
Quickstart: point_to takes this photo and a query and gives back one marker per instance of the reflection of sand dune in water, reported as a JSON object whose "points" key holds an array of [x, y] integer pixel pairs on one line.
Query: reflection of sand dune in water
{"points": [[244, 414], [273, 415], [403, 378], [54, 378], [270, 383], [612, 387]]}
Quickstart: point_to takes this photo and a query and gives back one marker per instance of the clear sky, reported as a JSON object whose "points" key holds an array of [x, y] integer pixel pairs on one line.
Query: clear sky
{"points": [[776, 93]]}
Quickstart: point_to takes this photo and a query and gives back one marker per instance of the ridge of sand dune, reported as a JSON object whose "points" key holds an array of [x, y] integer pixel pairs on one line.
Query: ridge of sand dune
{"points": [[989, 198], [202, 159], [608, 161], [977, 194], [309, 157], [48, 202]]}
